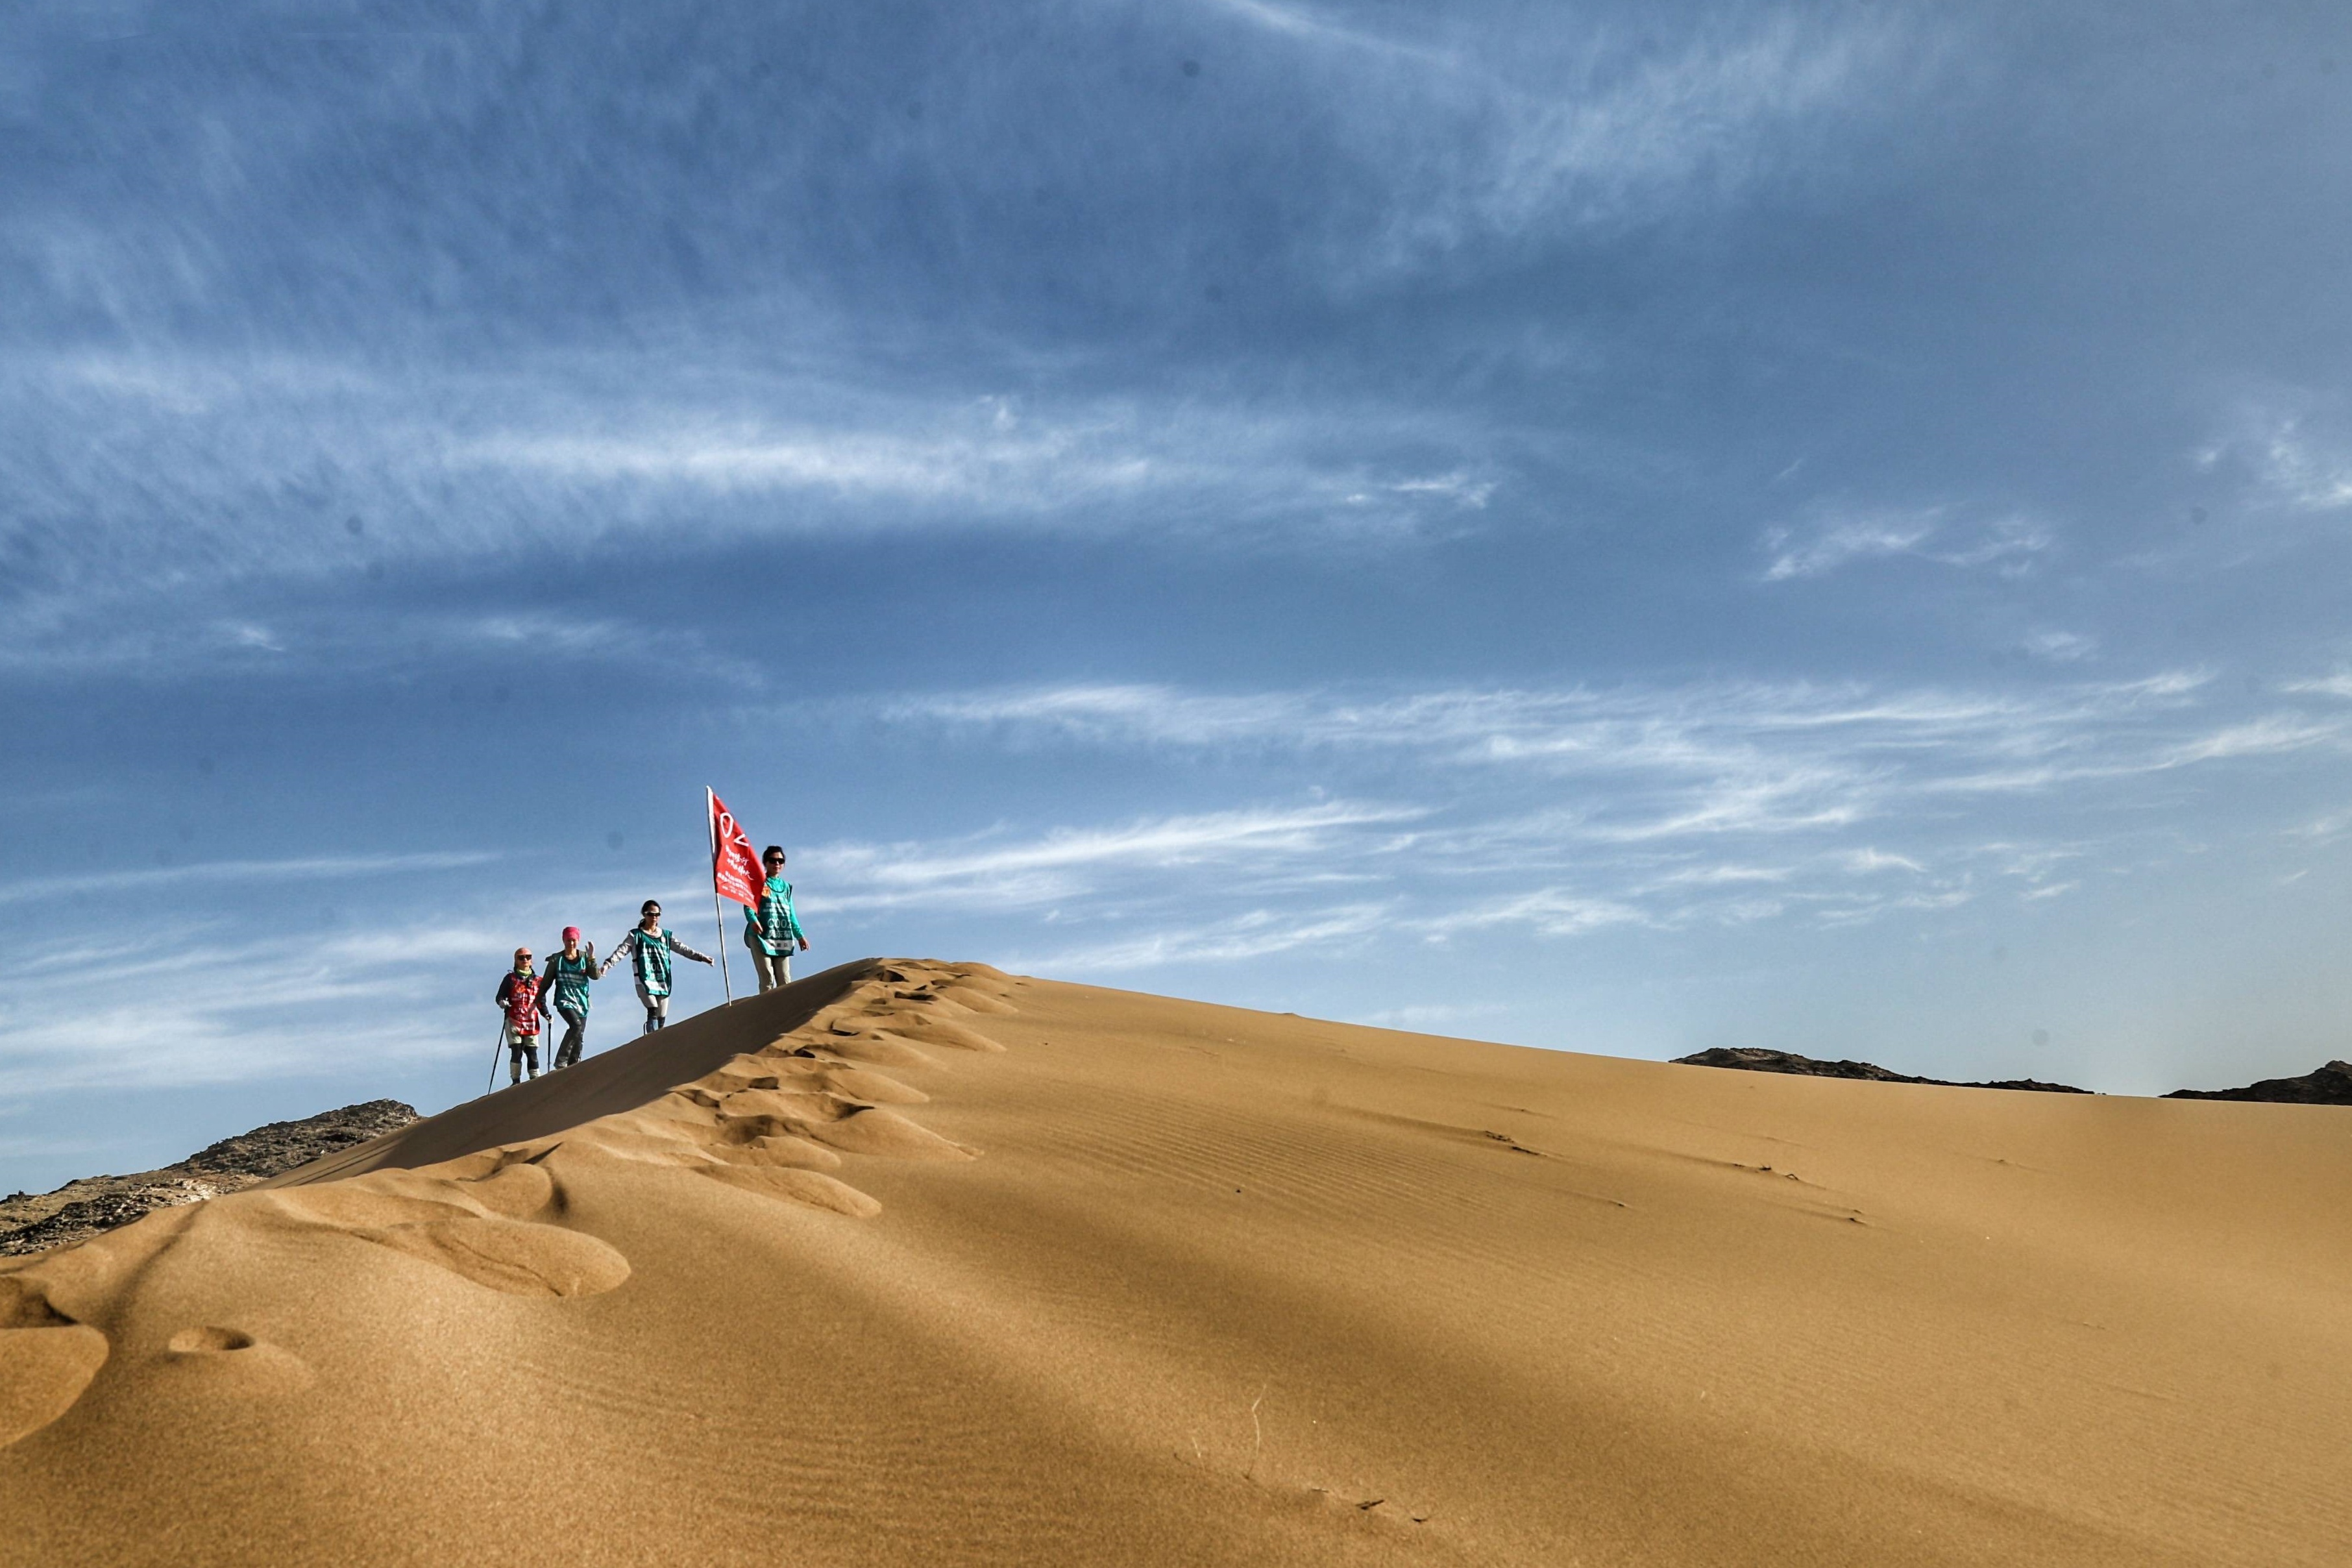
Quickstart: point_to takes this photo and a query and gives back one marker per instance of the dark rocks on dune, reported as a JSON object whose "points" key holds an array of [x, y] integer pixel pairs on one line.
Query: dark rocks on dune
{"points": [[2329, 1085], [94, 1204], [282, 1145], [1750, 1058]]}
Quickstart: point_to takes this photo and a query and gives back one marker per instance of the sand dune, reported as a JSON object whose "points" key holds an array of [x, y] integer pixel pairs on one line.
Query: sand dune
{"points": [[914, 1263]]}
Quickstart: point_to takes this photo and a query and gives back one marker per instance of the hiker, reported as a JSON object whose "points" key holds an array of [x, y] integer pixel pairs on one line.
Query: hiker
{"points": [[565, 982], [648, 947], [520, 994], [771, 929]]}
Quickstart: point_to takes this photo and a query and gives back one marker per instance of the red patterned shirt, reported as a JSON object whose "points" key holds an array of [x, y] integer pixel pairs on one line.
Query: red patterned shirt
{"points": [[519, 994]]}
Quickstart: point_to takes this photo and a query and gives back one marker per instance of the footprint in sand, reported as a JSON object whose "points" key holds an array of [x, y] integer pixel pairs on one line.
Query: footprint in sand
{"points": [[230, 1361]]}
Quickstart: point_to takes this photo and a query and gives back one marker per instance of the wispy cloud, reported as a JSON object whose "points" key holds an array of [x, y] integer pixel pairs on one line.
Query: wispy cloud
{"points": [[1303, 21], [2059, 647], [275, 478], [2324, 828], [1827, 546], [1720, 876], [1837, 538], [317, 869], [1553, 911], [215, 1005], [1869, 859], [1676, 762], [1003, 468], [2266, 736], [1461, 487], [997, 870], [1582, 128], [1253, 933], [1568, 812], [2294, 451]]}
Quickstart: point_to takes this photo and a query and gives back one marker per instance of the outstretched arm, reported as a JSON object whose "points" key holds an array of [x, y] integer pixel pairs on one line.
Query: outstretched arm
{"points": [[614, 957], [683, 951]]}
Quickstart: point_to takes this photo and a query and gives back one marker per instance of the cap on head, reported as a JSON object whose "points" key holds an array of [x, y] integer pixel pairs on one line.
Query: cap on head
{"points": [[523, 952], [572, 934]]}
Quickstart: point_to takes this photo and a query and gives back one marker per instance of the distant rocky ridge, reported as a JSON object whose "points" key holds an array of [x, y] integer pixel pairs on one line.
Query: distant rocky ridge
{"points": [[32, 1221], [1747, 1058], [2330, 1085]]}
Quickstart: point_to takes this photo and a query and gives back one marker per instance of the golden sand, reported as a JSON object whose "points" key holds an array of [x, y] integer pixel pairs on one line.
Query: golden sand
{"points": [[916, 1263]]}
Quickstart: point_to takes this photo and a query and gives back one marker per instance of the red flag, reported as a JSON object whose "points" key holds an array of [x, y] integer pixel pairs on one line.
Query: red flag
{"points": [[734, 868]]}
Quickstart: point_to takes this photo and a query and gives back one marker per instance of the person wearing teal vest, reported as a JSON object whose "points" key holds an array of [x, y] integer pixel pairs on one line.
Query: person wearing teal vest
{"points": [[565, 983], [648, 948], [772, 930]]}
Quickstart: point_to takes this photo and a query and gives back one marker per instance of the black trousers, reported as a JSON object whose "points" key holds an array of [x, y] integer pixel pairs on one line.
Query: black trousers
{"points": [[575, 1035]]}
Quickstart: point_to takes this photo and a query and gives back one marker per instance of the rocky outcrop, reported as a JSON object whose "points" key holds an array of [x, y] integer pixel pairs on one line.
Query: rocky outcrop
{"points": [[31, 1221], [2329, 1085], [1750, 1058]]}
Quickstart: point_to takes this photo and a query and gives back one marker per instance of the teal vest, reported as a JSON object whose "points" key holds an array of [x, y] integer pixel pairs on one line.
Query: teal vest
{"points": [[567, 981]]}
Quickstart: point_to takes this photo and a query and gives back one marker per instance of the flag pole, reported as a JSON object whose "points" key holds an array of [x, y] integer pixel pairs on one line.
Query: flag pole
{"points": [[717, 922]]}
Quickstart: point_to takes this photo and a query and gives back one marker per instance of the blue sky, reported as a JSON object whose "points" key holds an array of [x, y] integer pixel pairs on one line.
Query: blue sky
{"points": [[1629, 528]]}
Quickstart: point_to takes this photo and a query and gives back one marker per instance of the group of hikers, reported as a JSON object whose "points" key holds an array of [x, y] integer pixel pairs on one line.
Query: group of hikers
{"points": [[530, 997]]}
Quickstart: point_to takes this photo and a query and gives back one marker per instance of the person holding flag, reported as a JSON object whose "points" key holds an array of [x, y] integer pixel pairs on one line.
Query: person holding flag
{"points": [[771, 929], [648, 947]]}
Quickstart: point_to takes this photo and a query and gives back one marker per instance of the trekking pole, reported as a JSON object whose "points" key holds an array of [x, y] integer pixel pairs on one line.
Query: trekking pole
{"points": [[495, 1048]]}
